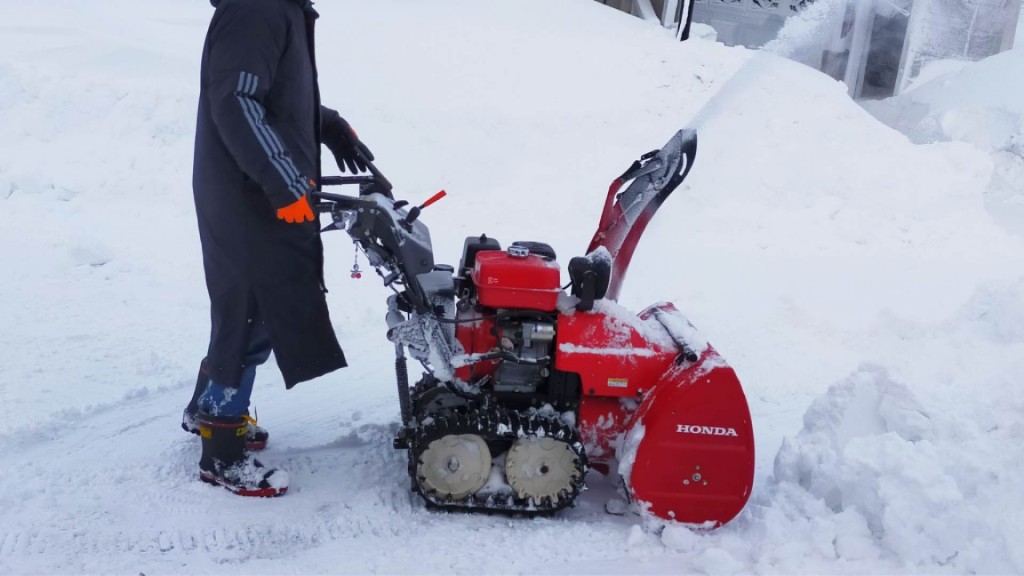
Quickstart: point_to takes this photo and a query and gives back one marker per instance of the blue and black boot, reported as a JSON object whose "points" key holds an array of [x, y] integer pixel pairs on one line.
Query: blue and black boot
{"points": [[225, 461]]}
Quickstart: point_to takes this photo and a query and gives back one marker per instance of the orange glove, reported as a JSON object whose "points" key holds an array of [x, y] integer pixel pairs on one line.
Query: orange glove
{"points": [[297, 212]]}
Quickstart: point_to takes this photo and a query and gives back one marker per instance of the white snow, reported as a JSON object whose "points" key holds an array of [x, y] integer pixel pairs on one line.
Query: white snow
{"points": [[803, 35], [1018, 41], [626, 453], [843, 270], [569, 348], [980, 103]]}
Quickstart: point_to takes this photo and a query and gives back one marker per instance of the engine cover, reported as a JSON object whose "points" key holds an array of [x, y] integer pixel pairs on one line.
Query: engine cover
{"points": [[518, 282]]}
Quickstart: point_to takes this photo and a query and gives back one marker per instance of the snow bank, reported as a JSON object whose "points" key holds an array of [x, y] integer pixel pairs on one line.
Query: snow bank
{"points": [[867, 447], [981, 103], [897, 481]]}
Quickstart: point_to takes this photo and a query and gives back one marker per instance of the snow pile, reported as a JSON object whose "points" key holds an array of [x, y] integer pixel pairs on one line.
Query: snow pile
{"points": [[878, 481], [981, 103], [870, 453], [923, 475]]}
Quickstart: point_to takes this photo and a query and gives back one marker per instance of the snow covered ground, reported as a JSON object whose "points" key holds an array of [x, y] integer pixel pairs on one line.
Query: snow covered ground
{"points": [[866, 288]]}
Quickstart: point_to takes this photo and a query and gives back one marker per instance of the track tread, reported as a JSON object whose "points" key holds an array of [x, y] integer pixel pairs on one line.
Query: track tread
{"points": [[496, 424]]}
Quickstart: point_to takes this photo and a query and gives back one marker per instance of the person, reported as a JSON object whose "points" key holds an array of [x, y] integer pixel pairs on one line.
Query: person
{"points": [[257, 159]]}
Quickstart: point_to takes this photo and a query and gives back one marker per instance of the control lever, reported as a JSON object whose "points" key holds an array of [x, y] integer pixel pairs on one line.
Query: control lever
{"points": [[414, 213]]}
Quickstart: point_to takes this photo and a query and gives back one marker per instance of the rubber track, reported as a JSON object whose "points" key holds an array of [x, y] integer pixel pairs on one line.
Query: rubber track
{"points": [[497, 424]]}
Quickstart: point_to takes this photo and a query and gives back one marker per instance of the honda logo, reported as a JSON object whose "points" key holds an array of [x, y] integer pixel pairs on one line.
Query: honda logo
{"points": [[706, 430]]}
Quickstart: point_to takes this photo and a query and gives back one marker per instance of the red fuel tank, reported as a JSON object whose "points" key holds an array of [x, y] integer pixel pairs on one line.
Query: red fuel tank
{"points": [[524, 282]]}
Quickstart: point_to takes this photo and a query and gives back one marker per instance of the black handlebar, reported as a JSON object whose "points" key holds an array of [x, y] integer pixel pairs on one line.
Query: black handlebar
{"points": [[343, 180], [382, 182], [375, 181]]}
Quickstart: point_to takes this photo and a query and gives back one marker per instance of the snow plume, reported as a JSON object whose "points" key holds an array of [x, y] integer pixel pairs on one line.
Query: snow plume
{"points": [[804, 35]]}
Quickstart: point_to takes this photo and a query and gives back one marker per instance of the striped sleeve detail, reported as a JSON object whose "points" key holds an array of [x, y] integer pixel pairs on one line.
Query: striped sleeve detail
{"points": [[256, 115]]}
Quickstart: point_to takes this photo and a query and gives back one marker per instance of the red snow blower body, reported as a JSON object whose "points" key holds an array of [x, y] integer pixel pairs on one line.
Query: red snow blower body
{"points": [[527, 386]]}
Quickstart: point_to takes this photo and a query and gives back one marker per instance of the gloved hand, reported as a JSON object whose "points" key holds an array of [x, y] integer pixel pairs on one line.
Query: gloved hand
{"points": [[297, 212], [346, 146]]}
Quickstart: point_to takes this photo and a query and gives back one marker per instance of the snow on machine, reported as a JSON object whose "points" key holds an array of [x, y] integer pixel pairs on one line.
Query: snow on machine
{"points": [[527, 386]]}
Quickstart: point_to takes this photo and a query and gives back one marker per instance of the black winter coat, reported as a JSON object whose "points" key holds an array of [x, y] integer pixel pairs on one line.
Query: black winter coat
{"points": [[258, 149]]}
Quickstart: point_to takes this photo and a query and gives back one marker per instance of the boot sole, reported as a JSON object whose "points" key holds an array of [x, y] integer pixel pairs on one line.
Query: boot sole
{"points": [[253, 493]]}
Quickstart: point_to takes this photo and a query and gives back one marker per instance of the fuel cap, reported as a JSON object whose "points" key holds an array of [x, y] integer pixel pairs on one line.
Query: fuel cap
{"points": [[516, 251]]}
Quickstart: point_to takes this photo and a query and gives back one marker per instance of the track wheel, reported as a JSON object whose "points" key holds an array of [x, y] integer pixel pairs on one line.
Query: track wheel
{"points": [[454, 466], [541, 468]]}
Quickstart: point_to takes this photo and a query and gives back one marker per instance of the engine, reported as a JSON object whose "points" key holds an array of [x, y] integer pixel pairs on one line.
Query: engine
{"points": [[527, 354], [511, 423], [507, 313]]}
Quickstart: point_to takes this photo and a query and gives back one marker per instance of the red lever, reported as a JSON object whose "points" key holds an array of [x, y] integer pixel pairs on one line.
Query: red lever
{"points": [[434, 198]]}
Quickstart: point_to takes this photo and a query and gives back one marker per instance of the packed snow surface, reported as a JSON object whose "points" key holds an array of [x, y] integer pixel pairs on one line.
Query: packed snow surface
{"points": [[858, 282]]}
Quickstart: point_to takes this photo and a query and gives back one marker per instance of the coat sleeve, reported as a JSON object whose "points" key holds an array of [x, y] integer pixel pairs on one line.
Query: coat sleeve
{"points": [[330, 126], [246, 42], [329, 119]]}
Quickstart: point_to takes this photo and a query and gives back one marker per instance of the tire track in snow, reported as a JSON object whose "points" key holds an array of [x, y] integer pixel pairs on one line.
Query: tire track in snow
{"points": [[74, 504], [60, 424], [137, 500]]}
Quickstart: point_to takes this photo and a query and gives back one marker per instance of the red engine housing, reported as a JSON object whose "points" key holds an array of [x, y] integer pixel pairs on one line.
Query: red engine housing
{"points": [[506, 281]]}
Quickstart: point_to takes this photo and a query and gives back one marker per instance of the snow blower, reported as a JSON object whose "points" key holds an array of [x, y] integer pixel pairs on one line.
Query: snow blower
{"points": [[528, 386]]}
